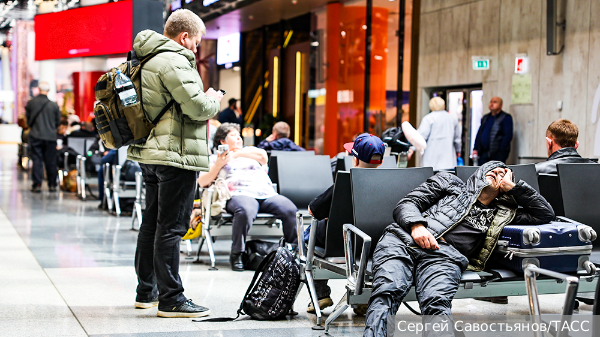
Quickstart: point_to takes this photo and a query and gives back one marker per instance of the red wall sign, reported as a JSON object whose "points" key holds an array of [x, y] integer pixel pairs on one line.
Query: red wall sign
{"points": [[87, 31]]}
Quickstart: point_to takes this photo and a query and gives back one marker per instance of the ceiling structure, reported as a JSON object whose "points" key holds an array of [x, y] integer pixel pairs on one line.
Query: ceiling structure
{"points": [[231, 16], [253, 15]]}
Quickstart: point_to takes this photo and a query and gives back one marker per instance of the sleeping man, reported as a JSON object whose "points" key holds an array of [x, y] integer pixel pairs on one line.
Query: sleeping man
{"points": [[442, 227]]}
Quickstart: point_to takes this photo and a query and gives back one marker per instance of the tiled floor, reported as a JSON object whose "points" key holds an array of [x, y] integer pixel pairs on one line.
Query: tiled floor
{"points": [[66, 269]]}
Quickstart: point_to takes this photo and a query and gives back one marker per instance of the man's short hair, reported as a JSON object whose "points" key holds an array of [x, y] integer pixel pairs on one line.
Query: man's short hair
{"points": [[281, 129], [44, 86], [563, 132], [64, 122], [184, 20], [87, 126], [232, 101], [437, 104], [223, 131]]}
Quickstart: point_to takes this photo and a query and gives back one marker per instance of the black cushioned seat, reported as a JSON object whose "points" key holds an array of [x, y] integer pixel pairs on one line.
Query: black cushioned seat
{"points": [[550, 190], [580, 190], [375, 194], [302, 178]]}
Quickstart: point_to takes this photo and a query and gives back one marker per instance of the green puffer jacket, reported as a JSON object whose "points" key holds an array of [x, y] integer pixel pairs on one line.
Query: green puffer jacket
{"points": [[180, 137]]}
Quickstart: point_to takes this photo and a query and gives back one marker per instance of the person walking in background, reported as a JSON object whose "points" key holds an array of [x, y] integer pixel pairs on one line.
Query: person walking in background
{"points": [[279, 140], [232, 114], [174, 152], [494, 135], [442, 134], [43, 117]]}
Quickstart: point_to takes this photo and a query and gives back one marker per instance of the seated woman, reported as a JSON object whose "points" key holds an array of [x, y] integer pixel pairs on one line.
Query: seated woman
{"points": [[245, 173]]}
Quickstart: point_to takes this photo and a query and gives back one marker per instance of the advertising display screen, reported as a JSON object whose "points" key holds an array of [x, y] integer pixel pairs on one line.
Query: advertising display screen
{"points": [[228, 49], [87, 31]]}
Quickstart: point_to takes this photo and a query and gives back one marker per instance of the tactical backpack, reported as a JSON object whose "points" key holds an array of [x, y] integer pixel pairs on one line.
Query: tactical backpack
{"points": [[273, 289], [118, 125]]}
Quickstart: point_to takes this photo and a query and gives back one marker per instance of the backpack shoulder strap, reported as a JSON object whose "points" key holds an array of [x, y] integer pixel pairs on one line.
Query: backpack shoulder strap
{"points": [[135, 61], [164, 110], [30, 124]]}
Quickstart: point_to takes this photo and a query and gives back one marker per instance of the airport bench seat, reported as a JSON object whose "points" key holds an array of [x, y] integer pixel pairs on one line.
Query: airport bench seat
{"points": [[372, 213]]}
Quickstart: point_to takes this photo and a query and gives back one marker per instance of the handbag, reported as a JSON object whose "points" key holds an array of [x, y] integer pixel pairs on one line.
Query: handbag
{"points": [[219, 197]]}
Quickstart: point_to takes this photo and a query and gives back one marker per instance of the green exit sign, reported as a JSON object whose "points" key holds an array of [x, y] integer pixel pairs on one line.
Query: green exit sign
{"points": [[481, 64]]}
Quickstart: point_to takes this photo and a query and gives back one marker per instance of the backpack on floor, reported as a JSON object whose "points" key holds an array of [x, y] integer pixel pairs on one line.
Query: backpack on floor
{"points": [[270, 296], [256, 251], [118, 125]]}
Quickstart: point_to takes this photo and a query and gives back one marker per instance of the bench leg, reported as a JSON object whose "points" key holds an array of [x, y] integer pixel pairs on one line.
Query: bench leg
{"points": [[211, 252], [188, 246], [108, 198], [117, 203], [137, 213], [310, 283], [201, 243], [337, 311]]}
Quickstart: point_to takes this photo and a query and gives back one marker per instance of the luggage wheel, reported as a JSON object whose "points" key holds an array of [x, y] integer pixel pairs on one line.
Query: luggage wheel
{"points": [[590, 267]]}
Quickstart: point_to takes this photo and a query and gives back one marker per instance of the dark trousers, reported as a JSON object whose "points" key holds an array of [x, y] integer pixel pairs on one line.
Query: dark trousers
{"points": [[245, 209], [397, 267], [169, 200], [43, 152]]}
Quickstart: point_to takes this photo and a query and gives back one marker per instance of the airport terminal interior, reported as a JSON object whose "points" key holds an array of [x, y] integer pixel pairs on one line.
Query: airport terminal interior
{"points": [[454, 96]]}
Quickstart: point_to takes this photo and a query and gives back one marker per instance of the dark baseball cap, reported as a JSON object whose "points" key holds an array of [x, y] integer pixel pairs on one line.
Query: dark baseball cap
{"points": [[365, 147]]}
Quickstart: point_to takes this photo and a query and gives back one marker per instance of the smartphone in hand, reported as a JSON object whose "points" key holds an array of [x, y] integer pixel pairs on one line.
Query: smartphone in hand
{"points": [[223, 148]]}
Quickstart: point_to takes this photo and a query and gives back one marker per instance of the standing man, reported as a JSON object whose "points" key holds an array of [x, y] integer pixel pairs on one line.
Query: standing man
{"points": [[442, 134], [174, 152], [561, 144], [232, 114], [43, 117], [494, 135]]}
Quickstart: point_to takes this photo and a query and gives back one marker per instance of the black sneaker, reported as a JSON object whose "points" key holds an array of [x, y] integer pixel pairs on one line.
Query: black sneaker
{"points": [[52, 188], [36, 189], [147, 304], [186, 309]]}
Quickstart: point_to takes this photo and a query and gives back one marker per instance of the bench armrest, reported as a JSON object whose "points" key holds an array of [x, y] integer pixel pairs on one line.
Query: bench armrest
{"points": [[116, 172], [300, 233], [530, 282], [565, 219], [356, 279], [207, 204]]}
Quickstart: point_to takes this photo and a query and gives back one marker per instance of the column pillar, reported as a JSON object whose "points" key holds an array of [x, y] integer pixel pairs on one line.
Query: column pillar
{"points": [[331, 136], [48, 67]]}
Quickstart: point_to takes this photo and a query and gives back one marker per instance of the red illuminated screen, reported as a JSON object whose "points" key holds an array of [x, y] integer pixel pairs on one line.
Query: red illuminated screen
{"points": [[88, 31]]}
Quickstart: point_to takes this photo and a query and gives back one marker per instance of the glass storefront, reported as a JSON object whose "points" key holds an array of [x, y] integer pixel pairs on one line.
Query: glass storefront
{"points": [[337, 95]]}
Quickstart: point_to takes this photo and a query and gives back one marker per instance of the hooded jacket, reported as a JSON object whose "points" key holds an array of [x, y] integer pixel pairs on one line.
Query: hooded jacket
{"points": [[180, 137], [560, 156], [444, 200]]}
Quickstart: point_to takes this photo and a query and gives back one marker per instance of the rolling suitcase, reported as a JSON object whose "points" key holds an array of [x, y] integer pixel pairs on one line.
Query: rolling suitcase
{"points": [[563, 246]]}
